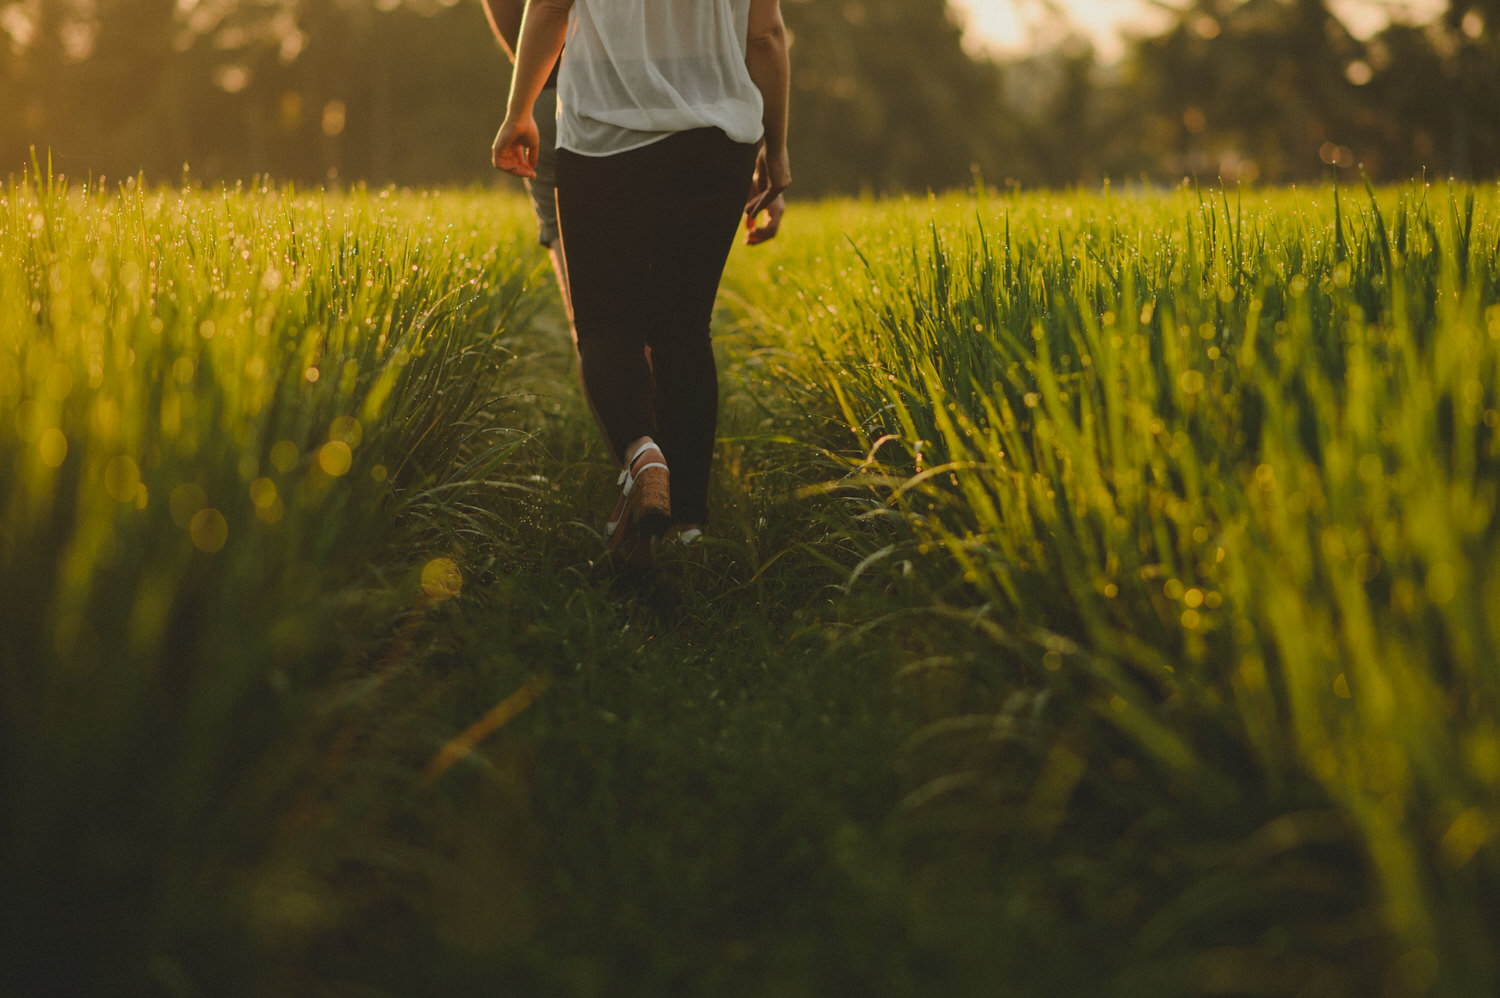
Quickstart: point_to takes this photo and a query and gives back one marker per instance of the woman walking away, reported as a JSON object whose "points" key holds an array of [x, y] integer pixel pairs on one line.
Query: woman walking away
{"points": [[667, 110]]}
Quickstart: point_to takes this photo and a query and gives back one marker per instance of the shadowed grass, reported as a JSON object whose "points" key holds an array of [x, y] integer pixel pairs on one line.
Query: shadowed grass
{"points": [[242, 432]]}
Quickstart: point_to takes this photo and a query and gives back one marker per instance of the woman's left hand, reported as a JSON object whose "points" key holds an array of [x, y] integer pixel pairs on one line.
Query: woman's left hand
{"points": [[773, 174], [516, 146], [763, 226]]}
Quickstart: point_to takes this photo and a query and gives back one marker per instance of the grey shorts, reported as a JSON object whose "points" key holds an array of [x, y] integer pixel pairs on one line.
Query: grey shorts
{"points": [[543, 189]]}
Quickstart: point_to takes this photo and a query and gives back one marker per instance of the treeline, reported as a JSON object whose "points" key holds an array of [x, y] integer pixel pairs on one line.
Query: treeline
{"points": [[885, 96]]}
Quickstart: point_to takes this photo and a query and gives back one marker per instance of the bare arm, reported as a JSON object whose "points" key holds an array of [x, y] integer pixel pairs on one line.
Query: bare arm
{"points": [[505, 21], [767, 59], [544, 28]]}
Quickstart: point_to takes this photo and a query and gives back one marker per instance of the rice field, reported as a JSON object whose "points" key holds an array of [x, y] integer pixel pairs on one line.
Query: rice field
{"points": [[1102, 599], [242, 436], [1224, 466]]}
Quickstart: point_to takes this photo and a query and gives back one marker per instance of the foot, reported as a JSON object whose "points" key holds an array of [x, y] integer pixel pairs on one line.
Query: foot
{"points": [[644, 509], [685, 534]]}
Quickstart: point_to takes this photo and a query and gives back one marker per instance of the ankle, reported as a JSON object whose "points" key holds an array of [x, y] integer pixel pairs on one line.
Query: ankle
{"points": [[636, 449]]}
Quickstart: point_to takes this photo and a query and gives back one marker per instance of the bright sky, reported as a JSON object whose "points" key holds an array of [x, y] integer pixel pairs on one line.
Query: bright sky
{"points": [[1007, 26]]}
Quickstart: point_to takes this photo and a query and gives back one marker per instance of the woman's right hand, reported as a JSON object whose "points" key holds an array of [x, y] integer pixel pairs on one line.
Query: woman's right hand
{"points": [[516, 146]]}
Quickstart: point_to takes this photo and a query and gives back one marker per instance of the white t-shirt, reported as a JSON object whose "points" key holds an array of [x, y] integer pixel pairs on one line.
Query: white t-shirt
{"points": [[636, 71]]}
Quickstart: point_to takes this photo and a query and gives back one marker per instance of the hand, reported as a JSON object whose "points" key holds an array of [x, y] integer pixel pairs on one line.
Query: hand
{"points": [[763, 227], [773, 174], [516, 146]]}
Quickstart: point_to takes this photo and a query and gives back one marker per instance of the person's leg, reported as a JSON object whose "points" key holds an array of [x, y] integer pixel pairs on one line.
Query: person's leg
{"points": [[646, 235], [603, 205], [601, 213], [543, 187], [560, 271], [709, 177], [543, 191]]}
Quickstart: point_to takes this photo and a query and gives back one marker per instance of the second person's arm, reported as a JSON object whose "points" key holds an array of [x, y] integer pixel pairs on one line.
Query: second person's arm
{"points": [[544, 29]]}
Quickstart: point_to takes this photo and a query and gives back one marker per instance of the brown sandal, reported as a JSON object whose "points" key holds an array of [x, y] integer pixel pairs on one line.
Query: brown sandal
{"points": [[644, 510]]}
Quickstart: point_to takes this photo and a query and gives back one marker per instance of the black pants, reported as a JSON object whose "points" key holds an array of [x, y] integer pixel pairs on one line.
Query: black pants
{"points": [[646, 234]]}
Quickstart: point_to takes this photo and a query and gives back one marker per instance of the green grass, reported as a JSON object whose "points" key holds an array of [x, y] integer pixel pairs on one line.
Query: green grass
{"points": [[238, 429], [1097, 602], [1222, 469]]}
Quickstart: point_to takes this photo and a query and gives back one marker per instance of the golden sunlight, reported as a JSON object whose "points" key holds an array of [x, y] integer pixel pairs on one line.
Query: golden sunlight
{"points": [[1011, 27]]}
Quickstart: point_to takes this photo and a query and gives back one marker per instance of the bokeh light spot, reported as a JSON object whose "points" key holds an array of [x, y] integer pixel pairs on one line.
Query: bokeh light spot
{"points": [[335, 117], [284, 456], [262, 492], [209, 530], [122, 478], [347, 429], [442, 579], [335, 458], [54, 447]]}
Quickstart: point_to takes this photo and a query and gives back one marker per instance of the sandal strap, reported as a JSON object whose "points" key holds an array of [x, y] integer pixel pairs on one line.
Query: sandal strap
{"points": [[627, 478], [646, 445]]}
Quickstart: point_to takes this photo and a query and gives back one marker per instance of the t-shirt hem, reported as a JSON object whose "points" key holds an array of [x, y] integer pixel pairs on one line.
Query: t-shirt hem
{"points": [[649, 138]]}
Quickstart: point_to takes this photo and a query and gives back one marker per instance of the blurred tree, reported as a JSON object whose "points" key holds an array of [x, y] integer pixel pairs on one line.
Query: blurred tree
{"points": [[1250, 91], [885, 97], [303, 90], [1469, 45], [1279, 89], [1058, 117]]}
